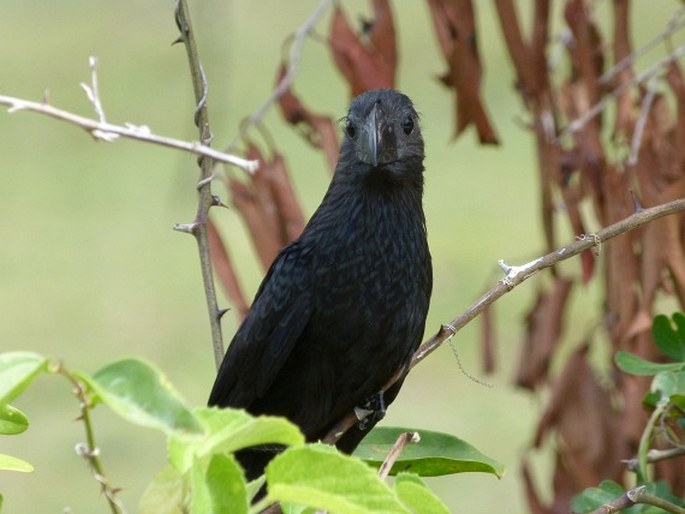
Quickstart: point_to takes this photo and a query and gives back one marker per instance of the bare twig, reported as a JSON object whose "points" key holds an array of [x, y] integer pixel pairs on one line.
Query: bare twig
{"points": [[634, 497], [514, 276], [93, 91], [206, 200], [677, 22], [104, 131], [656, 456], [400, 444], [642, 122], [293, 67], [89, 450], [578, 123]]}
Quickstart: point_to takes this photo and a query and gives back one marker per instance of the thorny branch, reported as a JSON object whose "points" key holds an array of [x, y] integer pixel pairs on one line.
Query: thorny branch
{"points": [[88, 450], [206, 200], [514, 276]]}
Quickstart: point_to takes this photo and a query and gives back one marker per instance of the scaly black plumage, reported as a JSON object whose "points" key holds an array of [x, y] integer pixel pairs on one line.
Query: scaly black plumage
{"points": [[343, 307]]}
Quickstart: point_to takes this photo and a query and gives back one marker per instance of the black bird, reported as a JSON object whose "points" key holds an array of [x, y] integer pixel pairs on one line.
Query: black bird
{"points": [[343, 307]]}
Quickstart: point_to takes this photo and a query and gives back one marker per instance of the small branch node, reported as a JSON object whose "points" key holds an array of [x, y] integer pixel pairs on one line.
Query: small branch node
{"points": [[188, 228], [635, 494], [514, 271], [101, 135], [596, 240], [83, 450], [141, 130], [448, 327]]}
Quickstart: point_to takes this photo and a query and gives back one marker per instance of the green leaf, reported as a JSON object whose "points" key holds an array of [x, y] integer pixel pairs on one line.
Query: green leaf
{"points": [[228, 430], [165, 494], [436, 454], [219, 490], [141, 394], [319, 476], [10, 463], [594, 497], [669, 384], [669, 340], [12, 420], [631, 363], [17, 371], [417, 496]]}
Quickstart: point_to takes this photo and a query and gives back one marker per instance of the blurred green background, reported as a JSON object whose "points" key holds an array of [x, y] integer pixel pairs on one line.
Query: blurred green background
{"points": [[90, 270]]}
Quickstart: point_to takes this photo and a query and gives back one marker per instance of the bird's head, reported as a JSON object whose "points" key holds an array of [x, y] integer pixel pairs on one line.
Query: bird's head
{"points": [[382, 138]]}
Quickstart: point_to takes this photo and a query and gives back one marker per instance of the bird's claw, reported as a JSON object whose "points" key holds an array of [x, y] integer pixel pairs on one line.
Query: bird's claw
{"points": [[371, 412]]}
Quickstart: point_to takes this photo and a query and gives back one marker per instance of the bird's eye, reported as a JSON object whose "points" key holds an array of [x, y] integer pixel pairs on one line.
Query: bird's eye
{"points": [[408, 125], [350, 130]]}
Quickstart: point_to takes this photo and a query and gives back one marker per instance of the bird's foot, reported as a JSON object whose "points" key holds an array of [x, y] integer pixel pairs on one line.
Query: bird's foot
{"points": [[371, 411]]}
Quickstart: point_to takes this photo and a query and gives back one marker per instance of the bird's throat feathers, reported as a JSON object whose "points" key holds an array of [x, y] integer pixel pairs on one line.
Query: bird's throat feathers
{"points": [[393, 203]]}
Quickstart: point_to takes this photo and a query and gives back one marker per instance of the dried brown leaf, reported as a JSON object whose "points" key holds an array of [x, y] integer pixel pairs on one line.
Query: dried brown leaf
{"points": [[529, 58], [663, 249], [586, 50], [584, 417], [291, 217], [318, 130], [544, 326], [676, 80], [572, 196], [622, 262], [455, 27], [261, 234], [382, 34], [535, 503], [224, 270], [263, 194], [625, 100], [325, 136], [364, 65], [539, 43], [518, 49]]}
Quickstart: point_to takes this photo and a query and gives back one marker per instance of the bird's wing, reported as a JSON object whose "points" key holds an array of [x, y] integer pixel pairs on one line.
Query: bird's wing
{"points": [[281, 310]]}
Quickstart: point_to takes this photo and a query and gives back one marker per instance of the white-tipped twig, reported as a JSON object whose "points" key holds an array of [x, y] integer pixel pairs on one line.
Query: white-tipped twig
{"points": [[108, 132], [401, 443], [92, 90]]}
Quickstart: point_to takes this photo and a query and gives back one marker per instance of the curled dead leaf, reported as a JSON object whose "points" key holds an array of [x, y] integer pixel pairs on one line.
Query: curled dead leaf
{"points": [[370, 61], [454, 23], [318, 130]]}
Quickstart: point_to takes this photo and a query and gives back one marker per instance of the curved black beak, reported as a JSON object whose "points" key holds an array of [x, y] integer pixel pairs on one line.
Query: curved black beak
{"points": [[378, 143]]}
